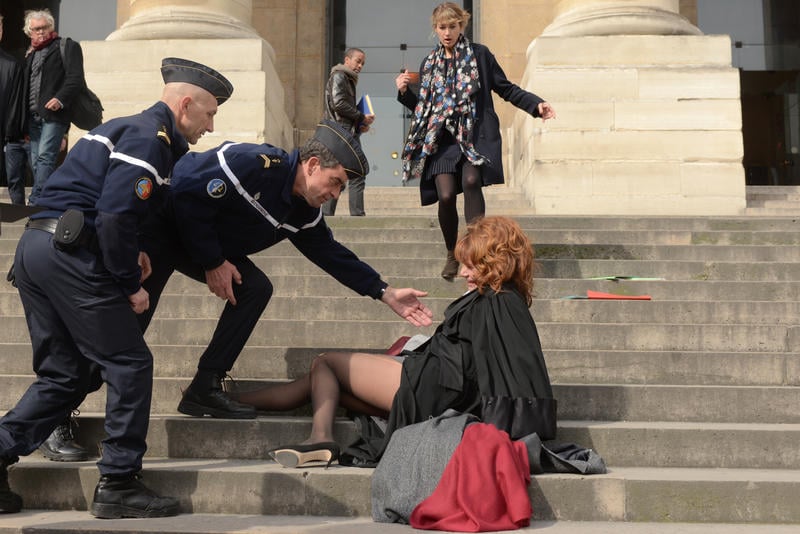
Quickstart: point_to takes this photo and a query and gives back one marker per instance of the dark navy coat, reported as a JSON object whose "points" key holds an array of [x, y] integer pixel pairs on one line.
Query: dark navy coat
{"points": [[112, 175], [486, 133], [237, 200]]}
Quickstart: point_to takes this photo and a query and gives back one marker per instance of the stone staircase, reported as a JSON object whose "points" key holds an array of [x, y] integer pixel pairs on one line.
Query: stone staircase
{"points": [[691, 397]]}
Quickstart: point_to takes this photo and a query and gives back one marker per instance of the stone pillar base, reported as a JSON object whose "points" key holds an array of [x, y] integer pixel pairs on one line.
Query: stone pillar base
{"points": [[126, 76], [646, 125]]}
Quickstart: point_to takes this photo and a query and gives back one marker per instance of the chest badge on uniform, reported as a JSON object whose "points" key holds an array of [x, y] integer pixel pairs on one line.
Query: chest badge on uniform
{"points": [[216, 188], [144, 187]]}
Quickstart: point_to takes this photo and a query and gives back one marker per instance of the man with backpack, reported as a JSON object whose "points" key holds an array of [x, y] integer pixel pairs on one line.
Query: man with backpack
{"points": [[52, 83]]}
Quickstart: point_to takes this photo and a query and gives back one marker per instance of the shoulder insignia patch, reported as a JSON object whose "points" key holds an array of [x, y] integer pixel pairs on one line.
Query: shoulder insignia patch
{"points": [[269, 161], [216, 188], [163, 135], [144, 187]]}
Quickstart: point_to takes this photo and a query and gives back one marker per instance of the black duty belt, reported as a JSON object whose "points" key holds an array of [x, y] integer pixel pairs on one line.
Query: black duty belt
{"points": [[87, 240], [48, 225]]}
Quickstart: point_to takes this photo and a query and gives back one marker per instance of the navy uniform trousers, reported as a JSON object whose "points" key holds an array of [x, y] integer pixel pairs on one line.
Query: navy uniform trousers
{"points": [[236, 322], [79, 320]]}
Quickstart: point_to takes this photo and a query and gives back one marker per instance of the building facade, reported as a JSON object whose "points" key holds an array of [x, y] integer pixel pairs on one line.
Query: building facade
{"points": [[687, 152]]}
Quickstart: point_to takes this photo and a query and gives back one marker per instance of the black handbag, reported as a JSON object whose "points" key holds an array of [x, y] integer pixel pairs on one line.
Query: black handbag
{"points": [[520, 416]]}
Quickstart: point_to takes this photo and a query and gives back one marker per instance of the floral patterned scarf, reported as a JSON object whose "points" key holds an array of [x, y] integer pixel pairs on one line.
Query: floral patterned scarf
{"points": [[443, 100]]}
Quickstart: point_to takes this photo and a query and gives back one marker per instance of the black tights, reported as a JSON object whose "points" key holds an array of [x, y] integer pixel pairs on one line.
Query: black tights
{"points": [[474, 203]]}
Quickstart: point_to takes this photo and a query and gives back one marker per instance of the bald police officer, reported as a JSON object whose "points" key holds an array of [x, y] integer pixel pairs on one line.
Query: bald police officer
{"points": [[78, 272], [241, 198]]}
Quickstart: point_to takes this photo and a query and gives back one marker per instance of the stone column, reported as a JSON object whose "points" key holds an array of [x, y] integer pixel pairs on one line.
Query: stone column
{"points": [[648, 115], [619, 17], [124, 70], [187, 19]]}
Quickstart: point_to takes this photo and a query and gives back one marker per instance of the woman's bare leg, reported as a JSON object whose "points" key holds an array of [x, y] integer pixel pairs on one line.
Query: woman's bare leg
{"points": [[369, 378]]}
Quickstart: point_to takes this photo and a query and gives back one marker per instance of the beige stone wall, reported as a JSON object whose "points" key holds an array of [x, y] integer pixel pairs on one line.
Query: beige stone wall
{"points": [[298, 31], [507, 27]]}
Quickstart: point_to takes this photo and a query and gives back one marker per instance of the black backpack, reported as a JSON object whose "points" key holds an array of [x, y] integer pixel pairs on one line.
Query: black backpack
{"points": [[87, 110]]}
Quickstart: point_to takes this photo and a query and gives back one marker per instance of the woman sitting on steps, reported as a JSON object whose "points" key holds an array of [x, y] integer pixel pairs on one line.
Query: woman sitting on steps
{"points": [[484, 358]]}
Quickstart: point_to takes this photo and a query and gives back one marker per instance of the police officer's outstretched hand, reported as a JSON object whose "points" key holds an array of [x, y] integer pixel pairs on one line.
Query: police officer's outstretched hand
{"points": [[405, 303], [221, 279], [140, 301]]}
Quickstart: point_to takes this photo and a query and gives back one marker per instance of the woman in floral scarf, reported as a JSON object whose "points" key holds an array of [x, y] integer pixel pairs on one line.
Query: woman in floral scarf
{"points": [[454, 142]]}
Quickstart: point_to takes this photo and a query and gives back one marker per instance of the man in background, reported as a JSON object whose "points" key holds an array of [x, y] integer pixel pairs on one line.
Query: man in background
{"points": [[11, 124], [340, 106], [51, 85]]}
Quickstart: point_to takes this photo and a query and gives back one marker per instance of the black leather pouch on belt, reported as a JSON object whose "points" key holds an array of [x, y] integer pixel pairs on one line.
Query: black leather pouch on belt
{"points": [[70, 231]]}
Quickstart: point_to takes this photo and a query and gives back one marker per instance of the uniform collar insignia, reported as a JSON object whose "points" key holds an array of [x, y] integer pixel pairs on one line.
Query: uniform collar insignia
{"points": [[163, 135]]}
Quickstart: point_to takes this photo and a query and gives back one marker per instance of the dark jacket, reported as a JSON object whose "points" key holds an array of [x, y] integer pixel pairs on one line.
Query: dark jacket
{"points": [[340, 98], [485, 358], [60, 79], [11, 101], [236, 200], [486, 134]]}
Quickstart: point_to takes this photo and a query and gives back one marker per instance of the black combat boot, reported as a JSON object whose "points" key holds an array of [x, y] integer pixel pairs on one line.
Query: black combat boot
{"points": [[117, 497], [61, 446], [205, 396], [10, 502]]}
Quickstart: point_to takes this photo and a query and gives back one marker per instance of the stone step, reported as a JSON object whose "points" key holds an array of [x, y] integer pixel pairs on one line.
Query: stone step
{"points": [[635, 494], [620, 443], [328, 308], [594, 402], [555, 268], [80, 522], [399, 220], [380, 334], [564, 365], [723, 290], [545, 251], [720, 290], [563, 251]]}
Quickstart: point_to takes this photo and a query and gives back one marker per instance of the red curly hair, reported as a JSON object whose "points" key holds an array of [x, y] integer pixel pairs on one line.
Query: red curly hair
{"points": [[499, 252]]}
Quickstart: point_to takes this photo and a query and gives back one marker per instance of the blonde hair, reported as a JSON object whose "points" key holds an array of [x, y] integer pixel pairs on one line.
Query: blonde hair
{"points": [[450, 12], [499, 252], [36, 14]]}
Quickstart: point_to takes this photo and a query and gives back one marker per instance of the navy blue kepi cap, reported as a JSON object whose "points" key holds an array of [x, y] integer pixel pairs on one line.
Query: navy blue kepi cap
{"points": [[175, 69], [344, 146]]}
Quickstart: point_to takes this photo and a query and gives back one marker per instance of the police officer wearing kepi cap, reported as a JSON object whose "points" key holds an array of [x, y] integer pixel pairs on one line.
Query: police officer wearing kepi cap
{"points": [[79, 270], [239, 199]]}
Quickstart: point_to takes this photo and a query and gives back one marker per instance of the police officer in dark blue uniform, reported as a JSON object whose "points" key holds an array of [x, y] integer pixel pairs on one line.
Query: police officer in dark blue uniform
{"points": [[79, 269], [241, 198]]}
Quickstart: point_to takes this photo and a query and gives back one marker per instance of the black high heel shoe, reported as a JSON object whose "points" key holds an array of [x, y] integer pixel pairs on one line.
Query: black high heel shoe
{"points": [[300, 455]]}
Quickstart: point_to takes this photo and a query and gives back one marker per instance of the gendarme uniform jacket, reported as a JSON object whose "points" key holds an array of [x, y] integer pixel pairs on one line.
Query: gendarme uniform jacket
{"points": [[121, 166], [237, 200]]}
